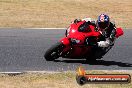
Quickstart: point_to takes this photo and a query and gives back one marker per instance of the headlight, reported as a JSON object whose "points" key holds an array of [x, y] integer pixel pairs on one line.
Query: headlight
{"points": [[75, 41]]}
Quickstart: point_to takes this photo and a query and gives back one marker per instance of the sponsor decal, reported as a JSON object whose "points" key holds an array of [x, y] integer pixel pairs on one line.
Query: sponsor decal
{"points": [[83, 78]]}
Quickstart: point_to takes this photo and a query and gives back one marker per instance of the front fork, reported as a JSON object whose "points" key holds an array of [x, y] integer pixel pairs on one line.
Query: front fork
{"points": [[67, 47]]}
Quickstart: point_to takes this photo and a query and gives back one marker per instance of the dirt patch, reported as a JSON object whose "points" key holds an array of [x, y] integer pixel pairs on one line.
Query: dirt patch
{"points": [[59, 13]]}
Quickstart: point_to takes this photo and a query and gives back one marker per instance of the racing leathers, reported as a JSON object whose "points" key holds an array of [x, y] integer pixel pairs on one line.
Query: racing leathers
{"points": [[107, 36], [106, 41]]}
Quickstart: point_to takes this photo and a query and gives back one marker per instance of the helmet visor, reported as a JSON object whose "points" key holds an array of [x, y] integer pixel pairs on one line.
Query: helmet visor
{"points": [[103, 25]]}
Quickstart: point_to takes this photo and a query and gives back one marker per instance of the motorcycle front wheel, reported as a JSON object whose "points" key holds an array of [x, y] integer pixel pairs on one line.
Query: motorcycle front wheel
{"points": [[53, 52]]}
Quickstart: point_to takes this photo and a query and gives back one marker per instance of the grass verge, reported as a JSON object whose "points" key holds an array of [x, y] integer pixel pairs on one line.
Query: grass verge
{"points": [[59, 13], [55, 80]]}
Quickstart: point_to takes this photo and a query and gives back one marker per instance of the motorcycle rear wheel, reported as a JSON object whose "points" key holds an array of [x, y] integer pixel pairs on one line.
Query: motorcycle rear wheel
{"points": [[91, 60], [53, 52]]}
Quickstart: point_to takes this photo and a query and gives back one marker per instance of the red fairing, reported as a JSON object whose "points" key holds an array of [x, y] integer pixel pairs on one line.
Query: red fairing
{"points": [[79, 49], [65, 41], [119, 32]]}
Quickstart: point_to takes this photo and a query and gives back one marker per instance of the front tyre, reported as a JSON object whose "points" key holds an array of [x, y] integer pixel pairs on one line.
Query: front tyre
{"points": [[53, 52]]}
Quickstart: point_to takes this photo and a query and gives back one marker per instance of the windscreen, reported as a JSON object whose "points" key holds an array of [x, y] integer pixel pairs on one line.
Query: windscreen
{"points": [[84, 27]]}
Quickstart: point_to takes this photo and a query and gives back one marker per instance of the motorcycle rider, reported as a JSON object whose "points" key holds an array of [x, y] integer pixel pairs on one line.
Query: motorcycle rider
{"points": [[107, 30]]}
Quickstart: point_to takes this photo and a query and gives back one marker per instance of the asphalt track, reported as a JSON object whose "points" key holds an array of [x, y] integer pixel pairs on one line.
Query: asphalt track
{"points": [[23, 50]]}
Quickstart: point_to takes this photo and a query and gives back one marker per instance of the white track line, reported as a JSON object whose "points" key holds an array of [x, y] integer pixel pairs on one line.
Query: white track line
{"points": [[127, 71], [11, 72], [44, 28]]}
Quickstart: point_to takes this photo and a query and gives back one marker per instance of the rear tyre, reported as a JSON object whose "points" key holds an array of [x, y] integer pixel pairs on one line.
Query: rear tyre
{"points": [[53, 52], [91, 60]]}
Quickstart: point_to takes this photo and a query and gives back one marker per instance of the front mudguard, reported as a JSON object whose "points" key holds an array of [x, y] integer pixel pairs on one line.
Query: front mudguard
{"points": [[67, 47], [65, 41]]}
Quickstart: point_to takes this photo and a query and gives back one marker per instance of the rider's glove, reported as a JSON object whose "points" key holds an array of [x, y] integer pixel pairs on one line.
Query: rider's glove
{"points": [[103, 43]]}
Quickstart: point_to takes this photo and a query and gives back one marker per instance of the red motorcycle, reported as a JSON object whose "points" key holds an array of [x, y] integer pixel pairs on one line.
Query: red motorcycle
{"points": [[76, 43]]}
